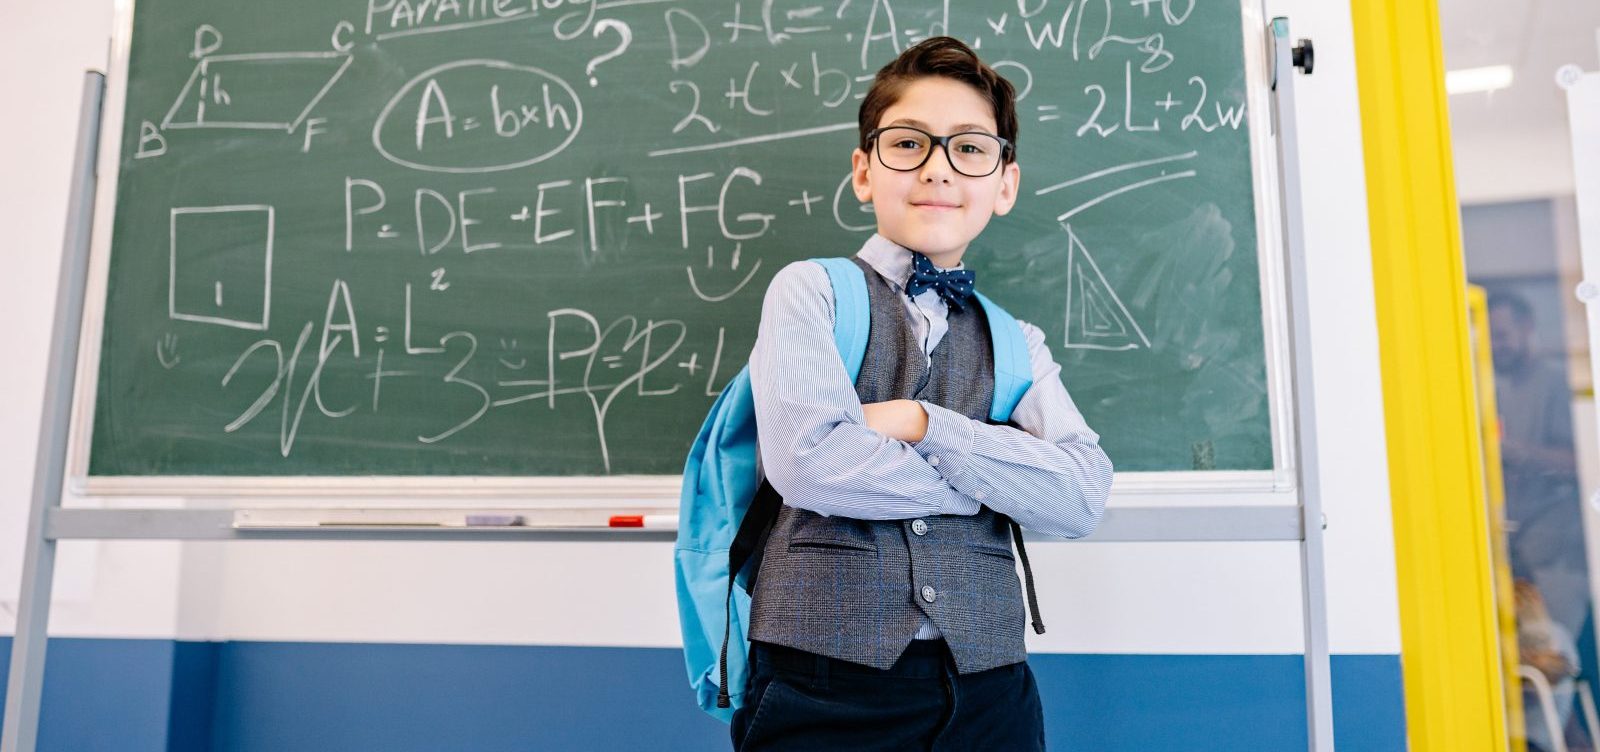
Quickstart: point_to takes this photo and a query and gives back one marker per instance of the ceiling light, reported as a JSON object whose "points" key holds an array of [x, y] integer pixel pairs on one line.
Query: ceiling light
{"points": [[1469, 80]]}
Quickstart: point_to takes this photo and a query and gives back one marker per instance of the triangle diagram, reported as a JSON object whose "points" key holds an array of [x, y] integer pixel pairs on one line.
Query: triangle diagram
{"points": [[1096, 317]]}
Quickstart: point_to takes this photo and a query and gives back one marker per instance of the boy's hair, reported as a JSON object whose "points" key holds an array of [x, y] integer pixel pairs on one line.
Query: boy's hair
{"points": [[950, 58]]}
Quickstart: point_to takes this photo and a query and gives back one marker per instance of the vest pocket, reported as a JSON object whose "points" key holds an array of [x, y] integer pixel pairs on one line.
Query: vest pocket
{"points": [[998, 553], [832, 533], [830, 544]]}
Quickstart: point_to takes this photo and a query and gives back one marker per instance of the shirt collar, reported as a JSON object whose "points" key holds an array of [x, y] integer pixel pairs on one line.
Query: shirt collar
{"points": [[890, 259]]}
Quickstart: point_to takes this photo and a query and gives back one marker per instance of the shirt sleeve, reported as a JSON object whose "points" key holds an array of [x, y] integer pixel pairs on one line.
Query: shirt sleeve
{"points": [[1049, 474], [816, 448]]}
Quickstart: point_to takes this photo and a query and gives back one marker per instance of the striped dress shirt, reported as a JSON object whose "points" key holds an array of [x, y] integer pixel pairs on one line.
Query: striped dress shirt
{"points": [[816, 449]]}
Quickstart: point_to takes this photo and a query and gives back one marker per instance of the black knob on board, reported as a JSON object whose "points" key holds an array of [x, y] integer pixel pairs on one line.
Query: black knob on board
{"points": [[1305, 57]]}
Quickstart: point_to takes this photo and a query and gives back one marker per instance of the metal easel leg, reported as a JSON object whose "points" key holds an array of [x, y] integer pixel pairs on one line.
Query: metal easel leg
{"points": [[21, 724], [1288, 55]]}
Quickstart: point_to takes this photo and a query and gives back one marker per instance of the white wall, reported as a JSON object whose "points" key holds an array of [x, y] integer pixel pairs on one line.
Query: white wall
{"points": [[1169, 597], [1496, 166]]}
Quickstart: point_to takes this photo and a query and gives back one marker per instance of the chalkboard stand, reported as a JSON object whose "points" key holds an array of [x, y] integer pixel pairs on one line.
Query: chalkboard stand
{"points": [[1286, 56], [39, 549], [49, 522]]}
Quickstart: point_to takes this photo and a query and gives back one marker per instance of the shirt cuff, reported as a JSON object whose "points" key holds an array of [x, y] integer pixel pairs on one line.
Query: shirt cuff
{"points": [[947, 444]]}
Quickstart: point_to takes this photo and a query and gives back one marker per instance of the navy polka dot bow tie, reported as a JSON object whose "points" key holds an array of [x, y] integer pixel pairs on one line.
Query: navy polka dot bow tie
{"points": [[953, 285]]}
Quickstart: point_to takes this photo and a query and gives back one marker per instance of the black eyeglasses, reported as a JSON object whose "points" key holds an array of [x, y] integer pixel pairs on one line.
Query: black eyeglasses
{"points": [[903, 149]]}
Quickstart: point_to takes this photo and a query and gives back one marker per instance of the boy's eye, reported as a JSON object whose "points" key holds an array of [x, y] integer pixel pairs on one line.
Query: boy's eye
{"points": [[907, 143], [973, 145]]}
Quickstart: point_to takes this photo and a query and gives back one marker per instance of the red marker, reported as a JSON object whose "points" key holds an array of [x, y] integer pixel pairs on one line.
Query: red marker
{"points": [[653, 521]]}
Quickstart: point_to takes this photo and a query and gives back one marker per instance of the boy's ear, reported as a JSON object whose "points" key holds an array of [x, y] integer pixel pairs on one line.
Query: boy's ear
{"points": [[859, 178], [1010, 183]]}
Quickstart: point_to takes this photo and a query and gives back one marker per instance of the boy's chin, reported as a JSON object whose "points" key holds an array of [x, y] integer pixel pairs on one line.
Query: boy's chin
{"points": [[929, 242]]}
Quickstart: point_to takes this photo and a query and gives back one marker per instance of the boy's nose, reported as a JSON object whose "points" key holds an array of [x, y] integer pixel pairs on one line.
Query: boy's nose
{"points": [[937, 167]]}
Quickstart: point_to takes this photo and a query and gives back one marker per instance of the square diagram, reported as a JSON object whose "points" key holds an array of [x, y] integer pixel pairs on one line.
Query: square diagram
{"points": [[221, 265]]}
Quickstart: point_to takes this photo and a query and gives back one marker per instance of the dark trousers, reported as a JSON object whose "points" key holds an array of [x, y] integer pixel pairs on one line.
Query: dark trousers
{"points": [[802, 701]]}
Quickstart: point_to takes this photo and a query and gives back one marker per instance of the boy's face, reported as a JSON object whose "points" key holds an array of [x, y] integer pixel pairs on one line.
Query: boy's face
{"points": [[934, 209]]}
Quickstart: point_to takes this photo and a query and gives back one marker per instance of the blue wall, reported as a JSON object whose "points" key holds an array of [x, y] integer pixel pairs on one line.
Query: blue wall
{"points": [[133, 695]]}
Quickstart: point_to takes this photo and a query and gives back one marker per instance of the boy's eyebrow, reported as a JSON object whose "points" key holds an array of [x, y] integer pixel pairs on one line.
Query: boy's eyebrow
{"points": [[962, 128]]}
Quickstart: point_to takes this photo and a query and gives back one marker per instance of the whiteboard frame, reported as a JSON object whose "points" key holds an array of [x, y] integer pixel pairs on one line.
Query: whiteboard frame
{"points": [[1176, 488]]}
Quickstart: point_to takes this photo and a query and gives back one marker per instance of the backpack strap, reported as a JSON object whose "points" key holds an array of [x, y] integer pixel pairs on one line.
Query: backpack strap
{"points": [[1013, 370], [852, 312], [1027, 576], [751, 537]]}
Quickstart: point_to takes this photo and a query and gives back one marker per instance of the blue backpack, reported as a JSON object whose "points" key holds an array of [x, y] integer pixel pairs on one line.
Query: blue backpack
{"points": [[726, 508]]}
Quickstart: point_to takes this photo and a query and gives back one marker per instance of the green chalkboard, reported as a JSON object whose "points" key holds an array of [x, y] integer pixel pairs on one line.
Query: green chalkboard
{"points": [[531, 237]]}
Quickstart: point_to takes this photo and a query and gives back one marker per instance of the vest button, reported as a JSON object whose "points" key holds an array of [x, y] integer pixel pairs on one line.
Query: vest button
{"points": [[928, 593], [920, 527]]}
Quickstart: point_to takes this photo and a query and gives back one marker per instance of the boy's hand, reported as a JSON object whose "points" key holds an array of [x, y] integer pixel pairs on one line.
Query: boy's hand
{"points": [[898, 419]]}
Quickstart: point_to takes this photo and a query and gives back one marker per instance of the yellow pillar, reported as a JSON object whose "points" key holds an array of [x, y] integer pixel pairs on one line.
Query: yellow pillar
{"points": [[1449, 655], [1494, 487]]}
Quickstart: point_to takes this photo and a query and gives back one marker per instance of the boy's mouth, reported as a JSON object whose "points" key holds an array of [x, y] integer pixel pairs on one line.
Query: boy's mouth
{"points": [[936, 205]]}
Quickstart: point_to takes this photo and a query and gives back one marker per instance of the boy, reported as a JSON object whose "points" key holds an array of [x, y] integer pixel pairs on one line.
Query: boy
{"points": [[887, 613]]}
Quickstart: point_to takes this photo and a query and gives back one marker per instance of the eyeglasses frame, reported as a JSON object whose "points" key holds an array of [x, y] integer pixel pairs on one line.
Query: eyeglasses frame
{"points": [[941, 141]]}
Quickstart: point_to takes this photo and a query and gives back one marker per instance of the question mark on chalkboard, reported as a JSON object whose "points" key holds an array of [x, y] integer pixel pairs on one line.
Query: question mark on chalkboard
{"points": [[600, 27]]}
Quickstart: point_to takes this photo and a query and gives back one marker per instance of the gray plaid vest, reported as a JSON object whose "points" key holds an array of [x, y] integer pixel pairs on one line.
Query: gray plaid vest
{"points": [[857, 590]]}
